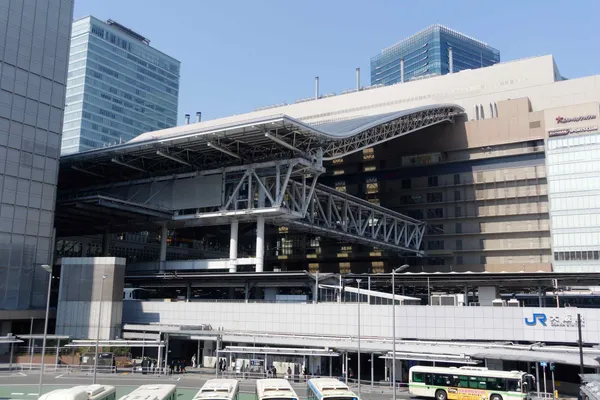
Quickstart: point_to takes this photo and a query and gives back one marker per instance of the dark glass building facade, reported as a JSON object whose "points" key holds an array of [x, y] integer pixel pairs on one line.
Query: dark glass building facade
{"points": [[426, 53], [118, 86], [34, 51]]}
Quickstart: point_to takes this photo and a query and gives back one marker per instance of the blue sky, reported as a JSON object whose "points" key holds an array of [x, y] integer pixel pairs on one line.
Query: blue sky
{"points": [[239, 55]]}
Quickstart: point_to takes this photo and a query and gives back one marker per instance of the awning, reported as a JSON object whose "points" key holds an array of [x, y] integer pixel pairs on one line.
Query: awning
{"points": [[280, 351], [116, 343], [446, 358]]}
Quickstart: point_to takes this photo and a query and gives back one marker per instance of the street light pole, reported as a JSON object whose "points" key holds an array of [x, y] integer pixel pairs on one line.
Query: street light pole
{"points": [[400, 268], [98, 329], [358, 281], [48, 269]]}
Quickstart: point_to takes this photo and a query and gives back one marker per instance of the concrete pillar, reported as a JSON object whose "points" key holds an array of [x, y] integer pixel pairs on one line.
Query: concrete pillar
{"points": [[233, 246], [260, 244], [164, 234], [106, 243]]}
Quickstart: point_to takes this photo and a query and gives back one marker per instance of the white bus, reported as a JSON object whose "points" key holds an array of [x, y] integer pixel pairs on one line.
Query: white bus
{"points": [[92, 392], [469, 383], [154, 392], [274, 389], [329, 389], [219, 389]]}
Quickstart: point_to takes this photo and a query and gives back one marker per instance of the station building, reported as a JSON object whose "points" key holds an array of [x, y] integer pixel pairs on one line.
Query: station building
{"points": [[293, 211]]}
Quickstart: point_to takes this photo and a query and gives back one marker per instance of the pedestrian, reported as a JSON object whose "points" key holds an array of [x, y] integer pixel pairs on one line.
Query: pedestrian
{"points": [[172, 367], [194, 361], [183, 366], [274, 371], [177, 366], [289, 373]]}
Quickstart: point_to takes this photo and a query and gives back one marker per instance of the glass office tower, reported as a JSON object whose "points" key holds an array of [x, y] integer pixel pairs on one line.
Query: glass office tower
{"points": [[118, 86], [426, 53], [34, 51]]}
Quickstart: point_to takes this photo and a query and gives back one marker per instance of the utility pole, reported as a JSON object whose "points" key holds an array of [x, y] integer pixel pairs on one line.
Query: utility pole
{"points": [[580, 344]]}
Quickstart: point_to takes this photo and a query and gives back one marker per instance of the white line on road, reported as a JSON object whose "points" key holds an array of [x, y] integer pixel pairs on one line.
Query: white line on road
{"points": [[58, 376], [17, 394]]}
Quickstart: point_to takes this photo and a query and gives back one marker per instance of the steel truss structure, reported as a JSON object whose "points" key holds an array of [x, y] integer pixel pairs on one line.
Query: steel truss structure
{"points": [[269, 168], [288, 194]]}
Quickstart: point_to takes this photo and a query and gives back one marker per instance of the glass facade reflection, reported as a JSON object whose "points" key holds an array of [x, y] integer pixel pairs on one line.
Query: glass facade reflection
{"points": [[426, 54], [118, 87]]}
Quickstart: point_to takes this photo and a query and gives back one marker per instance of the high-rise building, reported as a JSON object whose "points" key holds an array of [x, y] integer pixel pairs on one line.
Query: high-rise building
{"points": [[118, 86], [34, 50], [436, 50]]}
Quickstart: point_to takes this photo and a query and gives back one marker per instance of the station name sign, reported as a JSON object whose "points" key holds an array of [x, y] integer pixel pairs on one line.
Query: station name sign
{"points": [[565, 321], [563, 132], [566, 120]]}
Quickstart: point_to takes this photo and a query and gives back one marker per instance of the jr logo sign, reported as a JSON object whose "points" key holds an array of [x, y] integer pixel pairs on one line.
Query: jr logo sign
{"points": [[541, 318], [567, 321]]}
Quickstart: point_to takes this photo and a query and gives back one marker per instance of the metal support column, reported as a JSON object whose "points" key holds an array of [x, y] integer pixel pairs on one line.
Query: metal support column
{"points": [[369, 289], [217, 357], [466, 296], [166, 353], [57, 353], [246, 291], [260, 243], [106, 243], [540, 299], [31, 350], [233, 246], [346, 368], [537, 376], [159, 361], [164, 233], [198, 356], [316, 290], [12, 350], [372, 369], [188, 292]]}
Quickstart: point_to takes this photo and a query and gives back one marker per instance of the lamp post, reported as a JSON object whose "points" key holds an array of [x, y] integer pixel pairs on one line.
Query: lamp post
{"points": [[358, 281], [399, 269], [47, 268], [98, 329]]}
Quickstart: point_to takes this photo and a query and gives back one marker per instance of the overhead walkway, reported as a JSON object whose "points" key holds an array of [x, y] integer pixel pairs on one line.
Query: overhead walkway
{"points": [[254, 170]]}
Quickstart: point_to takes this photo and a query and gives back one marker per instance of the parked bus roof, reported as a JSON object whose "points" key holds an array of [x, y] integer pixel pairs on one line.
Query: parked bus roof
{"points": [[472, 371]]}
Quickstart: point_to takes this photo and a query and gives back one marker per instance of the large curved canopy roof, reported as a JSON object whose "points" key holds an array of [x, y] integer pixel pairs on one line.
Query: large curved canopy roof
{"points": [[208, 145]]}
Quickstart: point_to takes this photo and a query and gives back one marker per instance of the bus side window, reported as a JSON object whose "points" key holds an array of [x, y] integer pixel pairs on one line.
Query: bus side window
{"points": [[428, 379], [418, 377]]}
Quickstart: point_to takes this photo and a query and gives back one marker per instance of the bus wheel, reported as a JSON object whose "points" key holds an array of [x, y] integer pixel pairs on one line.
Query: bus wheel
{"points": [[495, 397], [441, 395]]}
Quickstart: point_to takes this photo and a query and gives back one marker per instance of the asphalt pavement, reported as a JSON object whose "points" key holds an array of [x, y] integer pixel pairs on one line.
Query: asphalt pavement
{"points": [[24, 385]]}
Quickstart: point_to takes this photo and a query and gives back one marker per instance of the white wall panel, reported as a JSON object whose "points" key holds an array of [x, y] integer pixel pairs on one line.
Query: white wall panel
{"points": [[442, 323]]}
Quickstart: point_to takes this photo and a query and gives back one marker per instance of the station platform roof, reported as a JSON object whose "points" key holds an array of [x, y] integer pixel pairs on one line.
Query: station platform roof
{"points": [[225, 142]]}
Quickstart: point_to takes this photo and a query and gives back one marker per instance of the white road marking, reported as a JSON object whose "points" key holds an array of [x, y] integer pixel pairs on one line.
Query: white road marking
{"points": [[32, 394], [58, 376], [17, 394]]}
